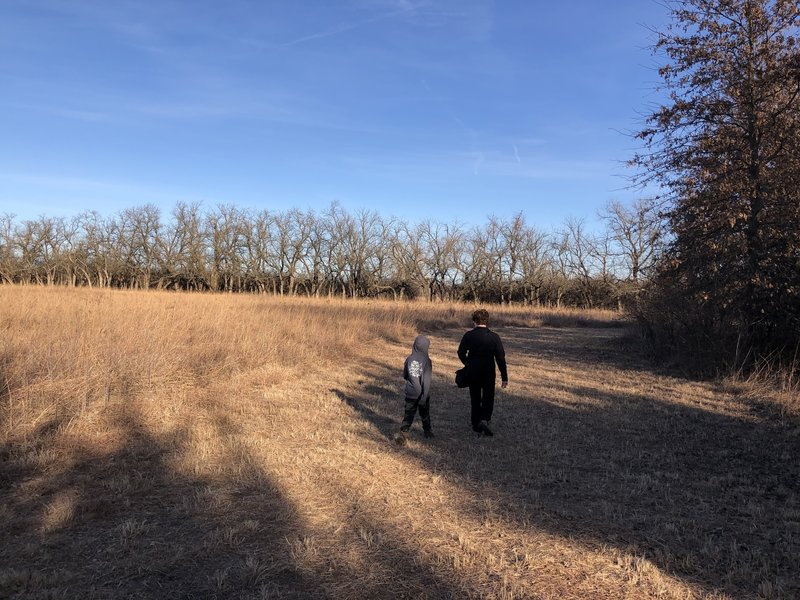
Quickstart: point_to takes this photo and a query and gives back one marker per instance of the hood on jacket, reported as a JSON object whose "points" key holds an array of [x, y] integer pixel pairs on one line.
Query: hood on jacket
{"points": [[421, 344]]}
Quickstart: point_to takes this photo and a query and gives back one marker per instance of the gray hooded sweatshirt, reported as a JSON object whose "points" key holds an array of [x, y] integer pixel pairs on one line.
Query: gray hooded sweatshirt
{"points": [[418, 371]]}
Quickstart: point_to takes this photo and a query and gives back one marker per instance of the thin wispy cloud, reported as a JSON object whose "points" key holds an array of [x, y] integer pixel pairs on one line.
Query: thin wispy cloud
{"points": [[87, 184], [345, 28], [227, 100], [56, 192], [457, 164], [190, 111], [497, 164], [384, 6], [77, 114], [528, 141], [53, 181], [120, 111], [131, 20]]}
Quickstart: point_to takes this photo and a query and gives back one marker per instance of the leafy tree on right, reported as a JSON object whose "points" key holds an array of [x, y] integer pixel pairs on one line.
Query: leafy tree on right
{"points": [[725, 149]]}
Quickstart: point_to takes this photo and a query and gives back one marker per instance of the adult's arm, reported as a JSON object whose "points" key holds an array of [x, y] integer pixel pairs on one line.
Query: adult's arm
{"points": [[462, 350], [500, 357]]}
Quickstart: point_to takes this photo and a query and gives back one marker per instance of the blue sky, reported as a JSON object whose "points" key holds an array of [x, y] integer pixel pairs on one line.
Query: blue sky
{"points": [[442, 109]]}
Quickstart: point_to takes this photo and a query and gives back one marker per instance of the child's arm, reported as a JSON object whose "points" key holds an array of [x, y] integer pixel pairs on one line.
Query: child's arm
{"points": [[427, 379]]}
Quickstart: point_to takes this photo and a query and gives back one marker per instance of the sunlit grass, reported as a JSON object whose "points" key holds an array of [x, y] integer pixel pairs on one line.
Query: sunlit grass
{"points": [[162, 444]]}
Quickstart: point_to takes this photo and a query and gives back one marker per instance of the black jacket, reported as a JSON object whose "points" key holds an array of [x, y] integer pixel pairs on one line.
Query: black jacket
{"points": [[479, 349]]}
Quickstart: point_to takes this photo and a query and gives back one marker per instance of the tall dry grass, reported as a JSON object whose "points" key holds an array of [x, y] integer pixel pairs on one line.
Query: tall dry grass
{"points": [[161, 444], [63, 350]]}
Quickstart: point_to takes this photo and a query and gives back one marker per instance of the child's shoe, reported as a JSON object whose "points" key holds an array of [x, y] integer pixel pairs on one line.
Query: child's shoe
{"points": [[429, 433], [401, 437]]}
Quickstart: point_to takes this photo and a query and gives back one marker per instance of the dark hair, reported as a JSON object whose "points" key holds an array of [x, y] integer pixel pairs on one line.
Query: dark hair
{"points": [[480, 317]]}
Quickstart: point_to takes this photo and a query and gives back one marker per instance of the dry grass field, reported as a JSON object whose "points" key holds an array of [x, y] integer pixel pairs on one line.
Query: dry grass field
{"points": [[165, 445]]}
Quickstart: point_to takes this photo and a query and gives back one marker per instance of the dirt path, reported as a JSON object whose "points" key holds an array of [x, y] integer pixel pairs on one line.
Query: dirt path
{"points": [[621, 481]]}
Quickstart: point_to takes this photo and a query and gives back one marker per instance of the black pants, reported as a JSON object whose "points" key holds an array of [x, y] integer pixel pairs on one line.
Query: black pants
{"points": [[481, 395], [412, 406]]}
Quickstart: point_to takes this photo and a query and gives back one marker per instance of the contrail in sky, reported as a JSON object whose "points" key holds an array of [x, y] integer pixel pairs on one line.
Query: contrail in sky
{"points": [[516, 153]]}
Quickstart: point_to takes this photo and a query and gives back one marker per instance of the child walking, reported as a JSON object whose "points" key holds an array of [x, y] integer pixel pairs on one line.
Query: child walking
{"points": [[418, 373]]}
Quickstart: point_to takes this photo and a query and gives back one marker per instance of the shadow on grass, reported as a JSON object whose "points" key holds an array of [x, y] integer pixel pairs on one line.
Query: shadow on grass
{"points": [[708, 498], [129, 522]]}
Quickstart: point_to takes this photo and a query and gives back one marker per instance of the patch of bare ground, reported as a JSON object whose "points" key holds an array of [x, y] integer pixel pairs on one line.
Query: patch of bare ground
{"points": [[279, 479]]}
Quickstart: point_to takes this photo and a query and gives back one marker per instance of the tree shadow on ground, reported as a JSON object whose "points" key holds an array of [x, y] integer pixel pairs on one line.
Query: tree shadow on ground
{"points": [[128, 524], [127, 520], [709, 498]]}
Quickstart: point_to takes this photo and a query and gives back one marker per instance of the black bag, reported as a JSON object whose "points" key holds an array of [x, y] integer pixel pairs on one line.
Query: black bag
{"points": [[462, 377]]}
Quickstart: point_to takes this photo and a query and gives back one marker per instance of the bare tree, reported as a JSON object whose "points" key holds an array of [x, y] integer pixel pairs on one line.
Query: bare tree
{"points": [[576, 248], [361, 238], [138, 243], [8, 258], [339, 221], [226, 227], [182, 250], [535, 262], [512, 235], [408, 255], [441, 246], [40, 244], [99, 252], [73, 251], [259, 243], [479, 266], [318, 236], [381, 265], [636, 231]]}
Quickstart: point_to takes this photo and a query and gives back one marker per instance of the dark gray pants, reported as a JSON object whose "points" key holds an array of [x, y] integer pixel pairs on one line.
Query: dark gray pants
{"points": [[412, 406]]}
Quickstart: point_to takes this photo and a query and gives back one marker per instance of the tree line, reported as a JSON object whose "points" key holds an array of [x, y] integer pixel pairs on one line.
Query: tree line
{"points": [[339, 253]]}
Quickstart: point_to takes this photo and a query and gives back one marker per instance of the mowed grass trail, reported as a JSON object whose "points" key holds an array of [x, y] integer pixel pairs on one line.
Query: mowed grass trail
{"points": [[187, 446]]}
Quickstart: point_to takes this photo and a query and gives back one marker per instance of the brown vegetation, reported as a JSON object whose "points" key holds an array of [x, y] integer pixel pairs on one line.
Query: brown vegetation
{"points": [[725, 150], [175, 445]]}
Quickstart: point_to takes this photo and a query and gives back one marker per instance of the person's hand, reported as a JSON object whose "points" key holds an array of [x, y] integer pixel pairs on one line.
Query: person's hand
{"points": [[504, 385]]}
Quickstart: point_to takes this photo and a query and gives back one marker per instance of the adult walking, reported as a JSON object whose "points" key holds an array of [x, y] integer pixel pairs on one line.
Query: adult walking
{"points": [[479, 350]]}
